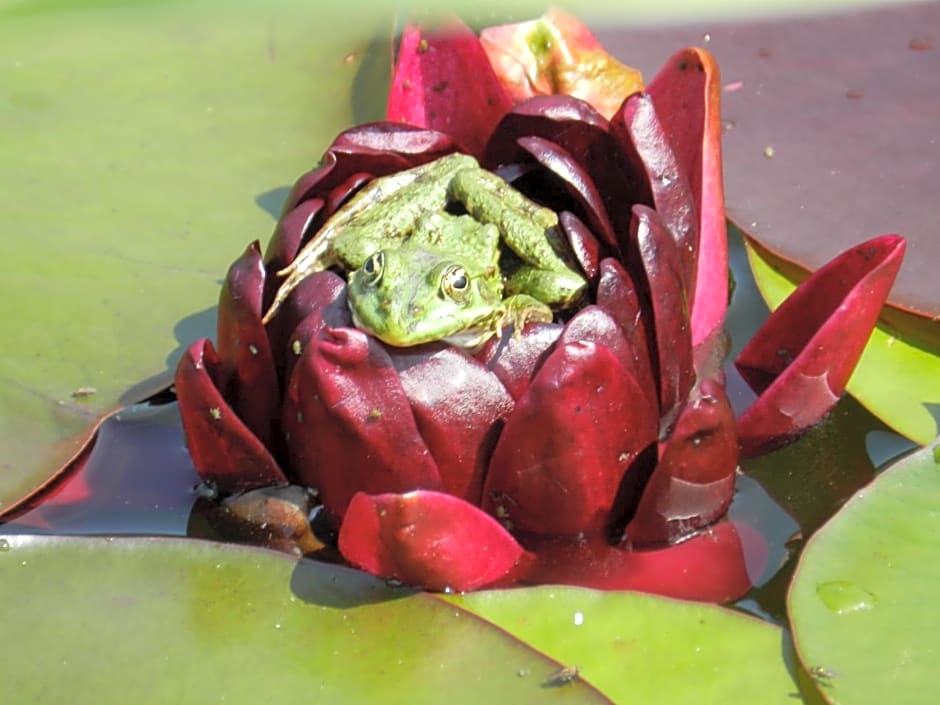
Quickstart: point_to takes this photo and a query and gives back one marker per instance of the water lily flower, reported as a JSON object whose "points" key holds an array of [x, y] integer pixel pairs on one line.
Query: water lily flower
{"points": [[599, 449]]}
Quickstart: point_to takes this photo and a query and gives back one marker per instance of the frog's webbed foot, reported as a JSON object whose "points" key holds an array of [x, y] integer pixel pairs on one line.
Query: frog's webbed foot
{"points": [[520, 309]]}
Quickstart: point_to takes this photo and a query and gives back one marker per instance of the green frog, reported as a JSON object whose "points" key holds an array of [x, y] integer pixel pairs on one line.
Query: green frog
{"points": [[443, 251]]}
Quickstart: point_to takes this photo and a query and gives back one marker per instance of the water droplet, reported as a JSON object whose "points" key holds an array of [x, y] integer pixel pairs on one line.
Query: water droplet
{"points": [[4, 545], [844, 596], [578, 619]]}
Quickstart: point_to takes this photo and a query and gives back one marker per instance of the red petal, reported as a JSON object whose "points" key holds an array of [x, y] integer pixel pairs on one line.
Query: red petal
{"points": [[444, 80], [644, 141], [617, 294], [660, 258], [802, 357], [223, 449], [686, 93], [429, 539], [458, 406], [243, 347], [693, 482], [514, 358], [292, 230], [559, 462], [348, 424], [709, 568]]}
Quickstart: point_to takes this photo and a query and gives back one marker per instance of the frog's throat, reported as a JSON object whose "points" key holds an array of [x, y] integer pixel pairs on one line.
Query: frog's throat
{"points": [[468, 339]]}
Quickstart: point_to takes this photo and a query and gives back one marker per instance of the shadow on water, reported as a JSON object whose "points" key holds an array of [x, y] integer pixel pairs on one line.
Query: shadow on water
{"points": [[340, 587]]}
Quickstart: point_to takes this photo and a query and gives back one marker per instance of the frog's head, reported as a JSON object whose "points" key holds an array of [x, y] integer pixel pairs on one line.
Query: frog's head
{"points": [[409, 295]]}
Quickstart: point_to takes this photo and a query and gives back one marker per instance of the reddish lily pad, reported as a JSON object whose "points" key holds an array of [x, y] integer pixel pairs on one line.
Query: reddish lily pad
{"points": [[193, 621], [830, 132], [863, 600]]}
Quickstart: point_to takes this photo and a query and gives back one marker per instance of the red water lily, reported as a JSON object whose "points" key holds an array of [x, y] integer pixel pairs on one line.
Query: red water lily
{"points": [[600, 449]]}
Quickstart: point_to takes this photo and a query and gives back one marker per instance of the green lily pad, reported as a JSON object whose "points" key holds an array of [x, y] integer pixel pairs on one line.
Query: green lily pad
{"points": [[643, 649], [168, 620], [897, 378], [143, 148], [863, 601]]}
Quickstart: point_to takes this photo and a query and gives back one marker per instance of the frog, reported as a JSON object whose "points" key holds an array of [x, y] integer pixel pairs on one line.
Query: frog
{"points": [[443, 251]]}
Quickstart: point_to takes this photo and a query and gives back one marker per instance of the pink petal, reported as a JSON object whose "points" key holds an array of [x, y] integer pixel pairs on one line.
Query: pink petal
{"points": [[693, 483], [444, 80], [559, 462], [222, 447], [710, 567], [458, 406], [686, 93], [802, 357], [252, 388], [558, 54], [348, 423], [428, 539]]}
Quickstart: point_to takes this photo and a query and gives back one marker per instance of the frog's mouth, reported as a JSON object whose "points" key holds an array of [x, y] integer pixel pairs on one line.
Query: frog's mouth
{"points": [[470, 339]]}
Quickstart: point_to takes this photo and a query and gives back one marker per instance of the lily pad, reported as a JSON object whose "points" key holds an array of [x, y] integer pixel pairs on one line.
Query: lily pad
{"points": [[897, 378], [642, 649], [193, 621], [144, 144], [864, 593]]}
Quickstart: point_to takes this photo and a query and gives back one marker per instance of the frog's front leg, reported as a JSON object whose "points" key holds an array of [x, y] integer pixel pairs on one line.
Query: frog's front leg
{"points": [[529, 230], [520, 309]]}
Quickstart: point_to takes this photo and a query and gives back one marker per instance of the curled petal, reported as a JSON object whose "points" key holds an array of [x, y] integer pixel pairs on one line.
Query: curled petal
{"points": [[458, 406], [348, 424], [243, 347], [586, 248], [444, 80], [292, 230], [802, 357], [378, 148], [710, 567], [686, 92], [644, 141], [558, 464], [577, 181], [429, 539], [693, 482], [223, 448], [660, 256]]}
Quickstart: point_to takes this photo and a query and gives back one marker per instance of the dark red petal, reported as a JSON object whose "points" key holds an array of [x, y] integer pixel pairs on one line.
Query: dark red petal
{"points": [[617, 294], [693, 482], [558, 464], [292, 230], [223, 449], [686, 93], [710, 567], [378, 148], [444, 80], [458, 406], [318, 303], [584, 244], [660, 256], [428, 539], [243, 347], [802, 357], [576, 179], [593, 323], [342, 192], [514, 359], [348, 424], [645, 143]]}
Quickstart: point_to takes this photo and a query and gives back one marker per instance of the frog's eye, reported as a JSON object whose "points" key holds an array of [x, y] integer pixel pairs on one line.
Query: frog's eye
{"points": [[374, 267], [455, 283]]}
